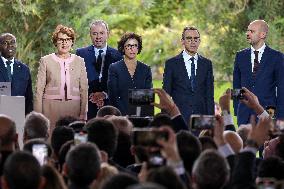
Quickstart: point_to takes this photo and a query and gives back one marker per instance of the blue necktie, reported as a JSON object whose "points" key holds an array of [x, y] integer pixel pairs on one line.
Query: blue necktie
{"points": [[192, 77], [8, 63], [99, 61]]}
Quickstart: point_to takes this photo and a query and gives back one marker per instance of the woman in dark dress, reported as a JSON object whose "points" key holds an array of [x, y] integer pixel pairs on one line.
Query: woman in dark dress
{"points": [[128, 73]]}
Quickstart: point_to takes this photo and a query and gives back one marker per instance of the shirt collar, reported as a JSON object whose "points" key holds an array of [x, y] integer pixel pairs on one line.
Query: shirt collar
{"points": [[5, 60], [186, 56], [97, 50], [260, 50]]}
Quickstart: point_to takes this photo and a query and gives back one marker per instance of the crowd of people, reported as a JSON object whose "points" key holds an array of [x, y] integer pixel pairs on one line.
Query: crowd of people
{"points": [[77, 133]]}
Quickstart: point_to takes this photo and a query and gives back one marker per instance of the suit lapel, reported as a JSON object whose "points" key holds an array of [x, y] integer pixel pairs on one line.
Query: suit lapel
{"points": [[16, 71], [263, 61], [3, 70], [91, 55], [200, 70], [183, 70]]}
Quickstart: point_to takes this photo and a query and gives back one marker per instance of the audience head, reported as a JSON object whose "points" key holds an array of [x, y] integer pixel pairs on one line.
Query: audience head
{"points": [[77, 126], [243, 131], [99, 33], [189, 148], [271, 167], [207, 143], [8, 135], [234, 140], [63, 152], [36, 126], [8, 40], [107, 171], [63, 34], [161, 120], [59, 136], [122, 124], [103, 133], [65, 121], [210, 170], [146, 185], [21, 171], [108, 110], [53, 180], [120, 181], [165, 176], [124, 43], [82, 164]]}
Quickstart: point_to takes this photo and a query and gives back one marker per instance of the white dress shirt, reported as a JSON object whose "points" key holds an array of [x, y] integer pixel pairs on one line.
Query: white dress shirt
{"points": [[187, 61], [260, 53], [12, 64]]}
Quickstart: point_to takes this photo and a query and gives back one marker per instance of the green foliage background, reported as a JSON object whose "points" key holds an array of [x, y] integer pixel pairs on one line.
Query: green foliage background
{"points": [[222, 24]]}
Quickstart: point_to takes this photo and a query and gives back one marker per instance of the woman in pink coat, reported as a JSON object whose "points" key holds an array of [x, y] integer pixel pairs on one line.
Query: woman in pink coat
{"points": [[62, 86]]}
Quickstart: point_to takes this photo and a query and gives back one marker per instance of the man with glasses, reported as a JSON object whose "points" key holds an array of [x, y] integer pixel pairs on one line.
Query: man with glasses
{"points": [[188, 78], [98, 57], [14, 71]]}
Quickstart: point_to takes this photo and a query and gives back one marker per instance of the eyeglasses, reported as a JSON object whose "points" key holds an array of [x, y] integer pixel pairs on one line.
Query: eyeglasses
{"points": [[13, 42], [191, 39], [130, 46], [62, 40]]}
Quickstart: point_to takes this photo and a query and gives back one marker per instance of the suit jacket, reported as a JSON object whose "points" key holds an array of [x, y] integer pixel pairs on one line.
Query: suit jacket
{"points": [[95, 85], [21, 84], [269, 77], [51, 77], [119, 81], [177, 84]]}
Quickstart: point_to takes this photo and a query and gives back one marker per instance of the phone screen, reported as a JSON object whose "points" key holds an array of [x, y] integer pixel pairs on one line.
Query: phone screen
{"points": [[201, 122], [80, 138], [148, 137], [141, 96], [40, 152]]}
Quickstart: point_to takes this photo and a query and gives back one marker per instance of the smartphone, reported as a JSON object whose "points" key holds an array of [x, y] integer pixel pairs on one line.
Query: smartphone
{"points": [[140, 97], [80, 138], [40, 152], [201, 122], [237, 94], [155, 160], [148, 136]]}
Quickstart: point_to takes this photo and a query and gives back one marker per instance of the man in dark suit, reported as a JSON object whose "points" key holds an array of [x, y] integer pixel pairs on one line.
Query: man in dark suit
{"points": [[14, 71], [98, 57], [260, 69], [188, 78]]}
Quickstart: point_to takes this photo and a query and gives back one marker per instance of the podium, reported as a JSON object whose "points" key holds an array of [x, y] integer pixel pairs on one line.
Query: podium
{"points": [[14, 107]]}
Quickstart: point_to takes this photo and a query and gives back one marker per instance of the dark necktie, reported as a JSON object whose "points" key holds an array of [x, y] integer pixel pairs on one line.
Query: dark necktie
{"points": [[9, 69], [99, 61], [192, 77], [255, 63]]}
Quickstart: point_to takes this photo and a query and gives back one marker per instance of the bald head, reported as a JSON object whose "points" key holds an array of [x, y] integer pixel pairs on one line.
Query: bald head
{"points": [[7, 130], [234, 140], [261, 24]]}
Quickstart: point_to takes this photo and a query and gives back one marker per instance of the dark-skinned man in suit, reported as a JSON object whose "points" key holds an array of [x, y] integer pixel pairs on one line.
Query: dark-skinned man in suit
{"points": [[188, 78], [260, 69], [98, 57], [14, 71]]}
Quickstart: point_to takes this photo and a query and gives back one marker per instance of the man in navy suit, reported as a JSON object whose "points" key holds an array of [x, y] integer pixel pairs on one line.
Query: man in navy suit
{"points": [[98, 57], [14, 71], [261, 70], [188, 78]]}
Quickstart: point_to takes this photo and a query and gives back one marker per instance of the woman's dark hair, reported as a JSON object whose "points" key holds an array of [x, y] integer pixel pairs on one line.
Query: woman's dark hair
{"points": [[125, 37]]}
